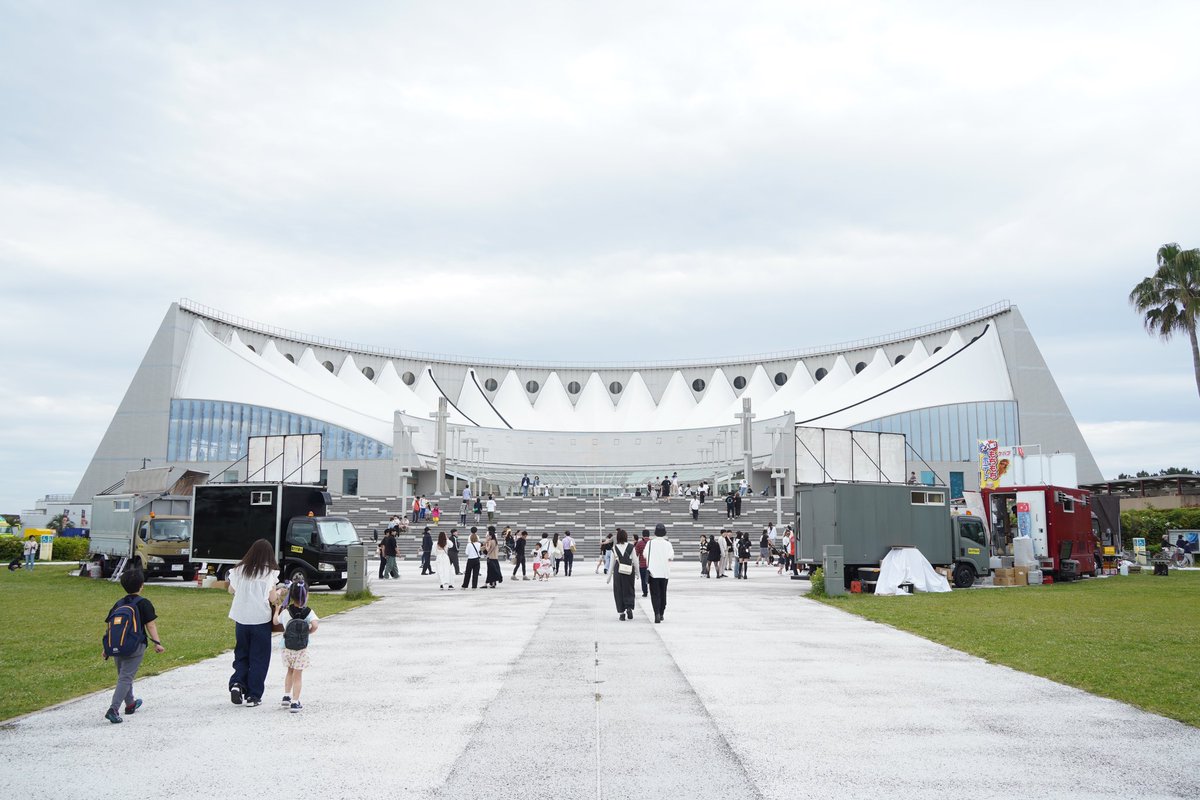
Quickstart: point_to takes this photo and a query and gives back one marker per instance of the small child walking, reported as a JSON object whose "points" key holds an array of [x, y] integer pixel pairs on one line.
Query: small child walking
{"points": [[130, 627], [298, 622]]}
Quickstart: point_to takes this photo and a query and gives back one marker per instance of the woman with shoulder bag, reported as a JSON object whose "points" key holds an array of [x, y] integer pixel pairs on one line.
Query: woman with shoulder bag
{"points": [[491, 552], [625, 570]]}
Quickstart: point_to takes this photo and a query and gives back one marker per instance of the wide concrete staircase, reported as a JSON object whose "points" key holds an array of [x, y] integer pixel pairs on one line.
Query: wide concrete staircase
{"points": [[585, 518]]}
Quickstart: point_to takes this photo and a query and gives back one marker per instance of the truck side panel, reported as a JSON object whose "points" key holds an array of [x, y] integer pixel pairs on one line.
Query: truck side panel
{"points": [[112, 529], [226, 523]]}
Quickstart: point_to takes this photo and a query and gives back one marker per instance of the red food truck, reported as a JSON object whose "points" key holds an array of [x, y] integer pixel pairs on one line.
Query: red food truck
{"points": [[1057, 519]]}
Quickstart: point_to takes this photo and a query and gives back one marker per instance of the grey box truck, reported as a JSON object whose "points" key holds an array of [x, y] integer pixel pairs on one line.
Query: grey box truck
{"points": [[868, 519], [147, 522]]}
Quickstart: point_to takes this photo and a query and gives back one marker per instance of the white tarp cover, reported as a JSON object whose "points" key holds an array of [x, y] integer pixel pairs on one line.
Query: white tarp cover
{"points": [[907, 565]]}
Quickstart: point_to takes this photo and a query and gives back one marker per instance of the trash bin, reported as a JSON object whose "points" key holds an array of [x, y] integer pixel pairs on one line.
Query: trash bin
{"points": [[1161, 567]]}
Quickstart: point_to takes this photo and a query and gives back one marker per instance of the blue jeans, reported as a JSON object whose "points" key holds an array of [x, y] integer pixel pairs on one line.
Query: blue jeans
{"points": [[251, 658], [29, 559]]}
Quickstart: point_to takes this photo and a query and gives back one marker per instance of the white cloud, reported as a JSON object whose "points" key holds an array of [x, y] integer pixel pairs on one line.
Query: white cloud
{"points": [[608, 182], [1130, 445]]}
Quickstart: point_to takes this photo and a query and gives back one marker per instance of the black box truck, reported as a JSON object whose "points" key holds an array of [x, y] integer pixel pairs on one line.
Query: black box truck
{"points": [[229, 517]]}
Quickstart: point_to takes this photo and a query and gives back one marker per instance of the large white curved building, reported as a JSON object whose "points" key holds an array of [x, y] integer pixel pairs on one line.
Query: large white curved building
{"points": [[210, 380]]}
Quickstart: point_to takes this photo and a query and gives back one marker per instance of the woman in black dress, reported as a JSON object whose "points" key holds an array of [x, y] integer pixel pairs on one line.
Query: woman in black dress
{"points": [[623, 574]]}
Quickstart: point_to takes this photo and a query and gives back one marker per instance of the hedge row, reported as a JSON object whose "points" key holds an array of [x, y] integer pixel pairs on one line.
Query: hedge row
{"points": [[1151, 523], [65, 549]]}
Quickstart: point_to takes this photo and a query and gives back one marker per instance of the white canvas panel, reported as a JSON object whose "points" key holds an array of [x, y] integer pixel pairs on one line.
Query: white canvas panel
{"points": [[810, 454], [273, 467], [838, 461], [311, 451], [865, 456], [256, 457], [893, 458], [292, 457]]}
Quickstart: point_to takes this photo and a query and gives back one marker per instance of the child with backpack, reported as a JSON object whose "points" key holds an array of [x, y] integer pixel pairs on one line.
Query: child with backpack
{"points": [[129, 627], [298, 622]]}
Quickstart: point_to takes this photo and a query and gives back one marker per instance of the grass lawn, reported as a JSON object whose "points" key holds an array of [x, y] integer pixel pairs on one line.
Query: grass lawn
{"points": [[51, 650], [1134, 639]]}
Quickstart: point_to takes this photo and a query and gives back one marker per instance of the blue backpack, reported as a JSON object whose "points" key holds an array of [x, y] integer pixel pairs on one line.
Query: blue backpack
{"points": [[123, 633]]}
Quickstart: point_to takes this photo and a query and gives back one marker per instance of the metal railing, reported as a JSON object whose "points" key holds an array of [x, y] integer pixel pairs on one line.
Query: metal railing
{"points": [[967, 318]]}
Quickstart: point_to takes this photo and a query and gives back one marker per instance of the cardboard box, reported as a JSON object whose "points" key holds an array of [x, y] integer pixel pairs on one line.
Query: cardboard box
{"points": [[221, 585], [1005, 572], [1021, 576], [1001, 580]]}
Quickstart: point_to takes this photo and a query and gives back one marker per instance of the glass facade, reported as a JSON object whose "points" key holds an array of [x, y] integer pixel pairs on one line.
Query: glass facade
{"points": [[952, 433], [209, 430]]}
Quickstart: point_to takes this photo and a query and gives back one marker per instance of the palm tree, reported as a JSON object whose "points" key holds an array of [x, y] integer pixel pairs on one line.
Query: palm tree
{"points": [[1170, 298]]}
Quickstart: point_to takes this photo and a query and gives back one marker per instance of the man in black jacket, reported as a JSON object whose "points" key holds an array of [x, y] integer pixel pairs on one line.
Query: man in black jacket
{"points": [[452, 549], [426, 549], [519, 556]]}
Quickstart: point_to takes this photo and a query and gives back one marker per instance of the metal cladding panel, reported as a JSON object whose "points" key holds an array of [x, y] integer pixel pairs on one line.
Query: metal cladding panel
{"points": [[810, 453], [838, 458]]}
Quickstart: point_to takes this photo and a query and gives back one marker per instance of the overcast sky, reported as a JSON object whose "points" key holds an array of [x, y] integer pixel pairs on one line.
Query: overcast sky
{"points": [[590, 181]]}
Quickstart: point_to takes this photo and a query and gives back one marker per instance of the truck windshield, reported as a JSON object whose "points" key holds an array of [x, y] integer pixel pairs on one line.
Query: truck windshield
{"points": [[170, 530], [337, 532]]}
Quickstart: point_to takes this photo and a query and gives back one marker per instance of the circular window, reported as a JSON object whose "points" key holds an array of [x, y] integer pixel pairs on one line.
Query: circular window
{"points": [[532, 387], [490, 384], [370, 373], [859, 367], [408, 378], [780, 378], [573, 387], [739, 383], [615, 387], [899, 358], [328, 365], [821, 373], [698, 385], [290, 357]]}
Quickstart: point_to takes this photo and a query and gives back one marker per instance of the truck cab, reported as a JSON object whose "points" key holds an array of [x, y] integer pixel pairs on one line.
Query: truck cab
{"points": [[313, 549], [972, 556], [162, 546]]}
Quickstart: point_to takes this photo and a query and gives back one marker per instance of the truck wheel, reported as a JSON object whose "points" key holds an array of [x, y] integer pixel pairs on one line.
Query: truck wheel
{"points": [[964, 576], [188, 575], [298, 575], [337, 585]]}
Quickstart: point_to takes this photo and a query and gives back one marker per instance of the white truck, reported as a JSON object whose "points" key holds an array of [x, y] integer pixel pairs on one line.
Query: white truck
{"points": [[147, 522]]}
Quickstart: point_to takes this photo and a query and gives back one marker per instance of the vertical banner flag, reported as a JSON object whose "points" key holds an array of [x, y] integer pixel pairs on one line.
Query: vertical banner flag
{"points": [[989, 464]]}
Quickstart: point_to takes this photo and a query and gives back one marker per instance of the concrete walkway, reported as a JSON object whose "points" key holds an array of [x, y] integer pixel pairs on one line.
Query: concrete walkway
{"points": [[747, 690]]}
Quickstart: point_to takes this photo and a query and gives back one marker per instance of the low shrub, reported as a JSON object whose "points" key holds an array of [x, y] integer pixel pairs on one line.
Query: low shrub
{"points": [[11, 547], [71, 548], [818, 583], [363, 594]]}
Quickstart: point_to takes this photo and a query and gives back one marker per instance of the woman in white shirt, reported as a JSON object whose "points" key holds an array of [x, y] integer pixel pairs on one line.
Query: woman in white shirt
{"points": [[556, 552], [445, 570], [659, 553], [252, 584], [474, 551]]}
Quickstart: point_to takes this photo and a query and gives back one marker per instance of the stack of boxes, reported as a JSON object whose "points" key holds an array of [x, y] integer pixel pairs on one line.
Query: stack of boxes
{"points": [[1016, 576]]}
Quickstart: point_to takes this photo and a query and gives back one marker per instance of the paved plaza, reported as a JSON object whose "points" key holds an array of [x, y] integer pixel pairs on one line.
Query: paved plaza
{"points": [[536, 690]]}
